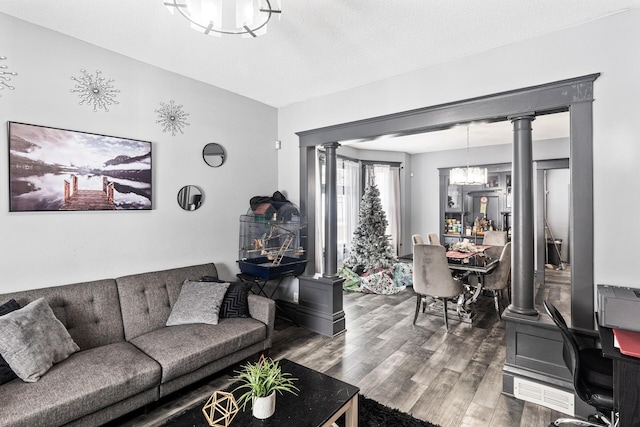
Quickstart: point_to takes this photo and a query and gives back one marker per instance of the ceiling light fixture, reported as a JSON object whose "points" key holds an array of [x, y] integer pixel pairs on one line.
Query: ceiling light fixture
{"points": [[248, 18], [468, 175]]}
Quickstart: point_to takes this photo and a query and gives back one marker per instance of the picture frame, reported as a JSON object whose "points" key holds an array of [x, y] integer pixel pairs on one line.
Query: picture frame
{"points": [[52, 169]]}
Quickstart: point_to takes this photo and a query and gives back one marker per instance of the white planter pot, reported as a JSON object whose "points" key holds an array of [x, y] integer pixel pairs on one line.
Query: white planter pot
{"points": [[264, 407]]}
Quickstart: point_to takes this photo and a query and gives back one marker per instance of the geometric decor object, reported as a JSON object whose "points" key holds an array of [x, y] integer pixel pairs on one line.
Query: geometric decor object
{"points": [[172, 117], [248, 18], [95, 91], [3, 76], [220, 409]]}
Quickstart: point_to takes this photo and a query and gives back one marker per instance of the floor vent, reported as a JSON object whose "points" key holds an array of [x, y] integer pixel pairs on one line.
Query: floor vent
{"points": [[544, 395]]}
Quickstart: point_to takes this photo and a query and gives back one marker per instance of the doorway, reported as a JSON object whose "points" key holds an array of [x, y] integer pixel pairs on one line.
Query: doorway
{"points": [[574, 95]]}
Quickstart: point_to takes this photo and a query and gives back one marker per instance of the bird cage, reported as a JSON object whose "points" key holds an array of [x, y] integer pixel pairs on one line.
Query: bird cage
{"points": [[272, 238]]}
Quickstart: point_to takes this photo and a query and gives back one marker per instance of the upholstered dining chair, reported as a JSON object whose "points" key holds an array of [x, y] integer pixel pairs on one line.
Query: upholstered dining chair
{"points": [[432, 277], [433, 239], [499, 279], [417, 239], [494, 238]]}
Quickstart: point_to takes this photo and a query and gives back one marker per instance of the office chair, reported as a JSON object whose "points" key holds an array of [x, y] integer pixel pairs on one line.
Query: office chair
{"points": [[592, 375], [432, 277]]}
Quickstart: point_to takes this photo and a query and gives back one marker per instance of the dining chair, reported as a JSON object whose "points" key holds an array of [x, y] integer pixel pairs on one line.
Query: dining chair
{"points": [[432, 277], [433, 239], [499, 279], [417, 239], [496, 239]]}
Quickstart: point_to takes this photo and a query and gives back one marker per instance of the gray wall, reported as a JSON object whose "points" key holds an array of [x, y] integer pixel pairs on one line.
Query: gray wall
{"points": [[42, 249]]}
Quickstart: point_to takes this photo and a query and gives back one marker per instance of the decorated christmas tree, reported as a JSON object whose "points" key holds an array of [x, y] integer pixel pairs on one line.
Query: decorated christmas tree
{"points": [[370, 247]]}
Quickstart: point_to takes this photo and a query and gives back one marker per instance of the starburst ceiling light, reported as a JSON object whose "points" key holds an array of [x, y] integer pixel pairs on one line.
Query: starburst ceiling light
{"points": [[248, 18], [4, 76], [468, 175]]}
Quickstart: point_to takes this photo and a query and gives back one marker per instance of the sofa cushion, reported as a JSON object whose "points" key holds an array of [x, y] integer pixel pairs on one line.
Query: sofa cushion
{"points": [[90, 311], [32, 339], [198, 302], [82, 384], [146, 299], [185, 348], [6, 374]]}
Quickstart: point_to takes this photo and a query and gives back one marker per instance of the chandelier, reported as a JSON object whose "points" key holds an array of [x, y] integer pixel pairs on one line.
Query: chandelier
{"points": [[468, 175], [248, 18]]}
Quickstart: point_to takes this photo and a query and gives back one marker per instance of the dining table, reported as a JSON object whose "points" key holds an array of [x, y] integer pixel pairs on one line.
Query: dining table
{"points": [[472, 262]]}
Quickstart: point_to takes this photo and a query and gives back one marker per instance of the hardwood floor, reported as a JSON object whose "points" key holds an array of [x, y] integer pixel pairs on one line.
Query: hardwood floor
{"points": [[451, 379]]}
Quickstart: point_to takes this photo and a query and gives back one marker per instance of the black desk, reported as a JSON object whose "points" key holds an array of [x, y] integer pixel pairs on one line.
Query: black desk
{"points": [[626, 380]]}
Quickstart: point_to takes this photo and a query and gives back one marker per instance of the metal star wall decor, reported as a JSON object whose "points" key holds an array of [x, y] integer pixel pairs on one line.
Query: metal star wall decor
{"points": [[3, 76], [95, 90], [172, 117]]}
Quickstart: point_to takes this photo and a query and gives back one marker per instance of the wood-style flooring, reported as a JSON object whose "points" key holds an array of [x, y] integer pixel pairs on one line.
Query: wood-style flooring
{"points": [[451, 379]]}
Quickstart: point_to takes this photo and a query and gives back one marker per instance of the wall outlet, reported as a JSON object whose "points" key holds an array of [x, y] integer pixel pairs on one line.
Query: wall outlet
{"points": [[295, 297]]}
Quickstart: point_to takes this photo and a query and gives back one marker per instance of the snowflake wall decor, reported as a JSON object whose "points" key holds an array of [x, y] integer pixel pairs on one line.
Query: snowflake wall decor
{"points": [[3, 76], [172, 117], [95, 90]]}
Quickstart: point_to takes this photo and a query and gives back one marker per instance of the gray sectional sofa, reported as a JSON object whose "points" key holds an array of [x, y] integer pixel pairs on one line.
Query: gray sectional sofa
{"points": [[128, 357]]}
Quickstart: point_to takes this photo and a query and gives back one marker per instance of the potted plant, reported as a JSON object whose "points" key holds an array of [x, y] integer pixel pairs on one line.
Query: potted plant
{"points": [[260, 381]]}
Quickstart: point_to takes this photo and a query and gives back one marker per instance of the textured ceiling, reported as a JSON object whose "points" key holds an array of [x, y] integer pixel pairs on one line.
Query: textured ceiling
{"points": [[317, 47]]}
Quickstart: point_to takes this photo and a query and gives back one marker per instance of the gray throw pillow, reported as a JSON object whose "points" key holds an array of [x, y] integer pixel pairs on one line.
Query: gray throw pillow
{"points": [[198, 302], [32, 339]]}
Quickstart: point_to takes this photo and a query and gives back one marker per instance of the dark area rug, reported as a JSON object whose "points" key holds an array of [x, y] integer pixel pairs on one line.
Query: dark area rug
{"points": [[370, 414], [374, 414]]}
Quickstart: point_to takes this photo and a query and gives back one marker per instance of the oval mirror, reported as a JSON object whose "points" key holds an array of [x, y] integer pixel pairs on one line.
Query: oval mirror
{"points": [[190, 197], [213, 154]]}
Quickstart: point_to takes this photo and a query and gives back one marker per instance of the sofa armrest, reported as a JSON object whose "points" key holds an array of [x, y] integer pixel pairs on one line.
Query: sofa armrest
{"points": [[264, 310]]}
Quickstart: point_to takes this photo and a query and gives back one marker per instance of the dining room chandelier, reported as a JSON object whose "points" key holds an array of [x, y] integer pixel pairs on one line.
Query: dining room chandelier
{"points": [[468, 175], [248, 18]]}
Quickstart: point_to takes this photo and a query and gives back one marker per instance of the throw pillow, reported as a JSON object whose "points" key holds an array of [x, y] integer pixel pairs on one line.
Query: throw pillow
{"points": [[6, 374], [198, 302], [236, 300], [32, 339]]}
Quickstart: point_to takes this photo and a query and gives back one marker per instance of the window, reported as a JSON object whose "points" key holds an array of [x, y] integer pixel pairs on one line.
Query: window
{"points": [[348, 203]]}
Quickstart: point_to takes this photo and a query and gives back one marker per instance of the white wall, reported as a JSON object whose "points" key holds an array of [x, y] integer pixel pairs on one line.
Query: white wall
{"points": [[606, 46], [41, 249], [558, 192]]}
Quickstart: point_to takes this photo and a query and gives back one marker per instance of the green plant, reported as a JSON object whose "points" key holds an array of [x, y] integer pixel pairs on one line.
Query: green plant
{"points": [[260, 379]]}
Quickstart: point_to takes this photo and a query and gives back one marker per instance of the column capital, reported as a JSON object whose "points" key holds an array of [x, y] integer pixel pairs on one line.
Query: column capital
{"points": [[522, 116], [331, 145]]}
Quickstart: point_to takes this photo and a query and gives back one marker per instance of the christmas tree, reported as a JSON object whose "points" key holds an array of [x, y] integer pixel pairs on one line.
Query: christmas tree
{"points": [[370, 247]]}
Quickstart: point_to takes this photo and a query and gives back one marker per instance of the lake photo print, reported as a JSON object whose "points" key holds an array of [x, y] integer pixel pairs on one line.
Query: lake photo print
{"points": [[54, 169]]}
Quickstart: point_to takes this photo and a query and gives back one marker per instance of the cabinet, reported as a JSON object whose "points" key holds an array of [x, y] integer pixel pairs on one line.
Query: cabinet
{"points": [[460, 205]]}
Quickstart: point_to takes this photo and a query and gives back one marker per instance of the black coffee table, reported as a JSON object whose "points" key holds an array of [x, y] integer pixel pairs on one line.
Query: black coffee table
{"points": [[321, 400]]}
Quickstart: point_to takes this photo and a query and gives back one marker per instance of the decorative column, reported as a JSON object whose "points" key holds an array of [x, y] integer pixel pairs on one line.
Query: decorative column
{"points": [[522, 235], [331, 212], [320, 302]]}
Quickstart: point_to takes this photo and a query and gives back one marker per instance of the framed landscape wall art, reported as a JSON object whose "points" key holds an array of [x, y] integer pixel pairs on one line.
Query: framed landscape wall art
{"points": [[54, 169]]}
